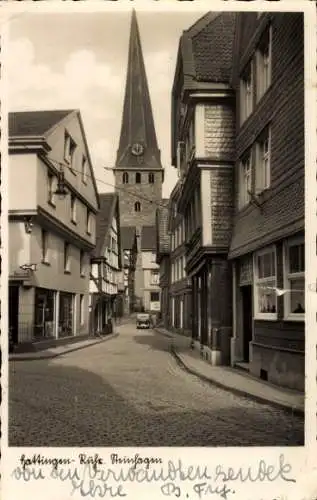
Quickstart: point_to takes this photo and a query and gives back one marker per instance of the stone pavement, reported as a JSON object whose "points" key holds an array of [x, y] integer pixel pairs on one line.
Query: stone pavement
{"points": [[132, 392], [232, 379], [59, 350]]}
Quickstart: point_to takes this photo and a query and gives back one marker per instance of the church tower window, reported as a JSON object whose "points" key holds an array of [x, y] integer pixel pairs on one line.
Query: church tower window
{"points": [[137, 206], [151, 178], [125, 178], [138, 178]]}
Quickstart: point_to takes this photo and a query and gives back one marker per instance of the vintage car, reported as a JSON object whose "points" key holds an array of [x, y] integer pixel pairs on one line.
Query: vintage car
{"points": [[143, 320]]}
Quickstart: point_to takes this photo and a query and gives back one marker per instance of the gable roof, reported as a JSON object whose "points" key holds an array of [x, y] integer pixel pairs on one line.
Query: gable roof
{"points": [[34, 123], [39, 124], [128, 235], [148, 238], [108, 205]]}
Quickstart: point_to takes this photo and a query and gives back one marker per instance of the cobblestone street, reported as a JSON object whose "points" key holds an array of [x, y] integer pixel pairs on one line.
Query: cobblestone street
{"points": [[130, 391]]}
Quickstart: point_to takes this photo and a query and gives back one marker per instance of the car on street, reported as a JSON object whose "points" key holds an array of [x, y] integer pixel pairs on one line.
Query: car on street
{"points": [[143, 320]]}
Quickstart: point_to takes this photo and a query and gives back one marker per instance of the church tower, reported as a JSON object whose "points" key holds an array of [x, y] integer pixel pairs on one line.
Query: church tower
{"points": [[138, 171]]}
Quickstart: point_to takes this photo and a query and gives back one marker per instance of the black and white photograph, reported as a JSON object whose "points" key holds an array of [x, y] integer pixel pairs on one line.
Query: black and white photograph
{"points": [[156, 228]]}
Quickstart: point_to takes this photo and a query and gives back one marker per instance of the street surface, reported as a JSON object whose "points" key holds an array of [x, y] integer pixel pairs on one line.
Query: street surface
{"points": [[130, 391]]}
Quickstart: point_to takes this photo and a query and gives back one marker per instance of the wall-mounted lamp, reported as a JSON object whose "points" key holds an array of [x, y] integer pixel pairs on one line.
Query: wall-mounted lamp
{"points": [[61, 190], [28, 224]]}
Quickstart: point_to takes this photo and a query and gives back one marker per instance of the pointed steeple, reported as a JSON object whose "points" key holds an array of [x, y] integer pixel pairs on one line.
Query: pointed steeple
{"points": [[138, 144]]}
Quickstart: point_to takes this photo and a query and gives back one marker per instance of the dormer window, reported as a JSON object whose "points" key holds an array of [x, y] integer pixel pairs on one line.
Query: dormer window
{"points": [[138, 178], [125, 178], [137, 206]]}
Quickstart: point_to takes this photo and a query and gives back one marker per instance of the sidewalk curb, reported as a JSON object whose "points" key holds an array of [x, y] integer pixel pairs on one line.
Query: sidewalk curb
{"points": [[238, 392], [31, 357]]}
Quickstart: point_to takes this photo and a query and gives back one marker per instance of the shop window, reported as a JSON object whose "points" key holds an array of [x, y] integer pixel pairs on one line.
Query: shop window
{"points": [[264, 63], [151, 178], [73, 209], [294, 279], [84, 173], [246, 92], [138, 178], [66, 257], [265, 284], [245, 180], [263, 161], [44, 246], [65, 326], [69, 151], [137, 206], [51, 181], [44, 313]]}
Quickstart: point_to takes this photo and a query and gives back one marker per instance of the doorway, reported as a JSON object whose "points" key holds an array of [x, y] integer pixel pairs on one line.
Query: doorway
{"points": [[246, 292], [13, 314]]}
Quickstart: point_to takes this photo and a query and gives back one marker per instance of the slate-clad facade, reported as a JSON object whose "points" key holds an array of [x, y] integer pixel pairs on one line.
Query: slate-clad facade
{"points": [[238, 143], [269, 324]]}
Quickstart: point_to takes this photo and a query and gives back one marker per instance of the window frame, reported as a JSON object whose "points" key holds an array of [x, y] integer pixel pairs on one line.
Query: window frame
{"points": [[247, 91], [260, 160], [84, 165], [268, 316], [155, 272], [44, 247], [69, 150], [261, 51], [67, 260], [73, 209], [88, 221], [51, 195], [82, 264], [244, 196], [288, 276]]}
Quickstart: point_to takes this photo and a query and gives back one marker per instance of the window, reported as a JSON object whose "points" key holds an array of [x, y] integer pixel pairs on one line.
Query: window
{"points": [[245, 180], [51, 188], [155, 277], [151, 178], [84, 170], [88, 222], [82, 263], [44, 240], [137, 206], [265, 283], [153, 258], [264, 63], [69, 150], [263, 162], [155, 297], [73, 208], [125, 178], [138, 178], [82, 309], [66, 257], [246, 93], [294, 279]]}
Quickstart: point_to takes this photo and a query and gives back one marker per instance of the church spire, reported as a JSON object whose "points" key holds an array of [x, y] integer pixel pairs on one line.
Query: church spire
{"points": [[138, 144]]}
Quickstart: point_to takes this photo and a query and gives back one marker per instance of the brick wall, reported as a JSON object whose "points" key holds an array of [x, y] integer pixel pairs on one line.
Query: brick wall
{"points": [[221, 205]]}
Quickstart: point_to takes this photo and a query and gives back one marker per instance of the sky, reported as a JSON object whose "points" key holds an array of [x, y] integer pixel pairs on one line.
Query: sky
{"points": [[79, 60]]}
